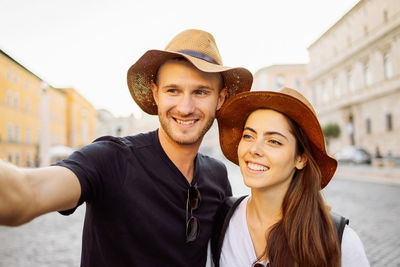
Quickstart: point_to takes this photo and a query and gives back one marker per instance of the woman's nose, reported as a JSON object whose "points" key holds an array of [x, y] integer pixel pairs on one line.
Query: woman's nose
{"points": [[257, 148]]}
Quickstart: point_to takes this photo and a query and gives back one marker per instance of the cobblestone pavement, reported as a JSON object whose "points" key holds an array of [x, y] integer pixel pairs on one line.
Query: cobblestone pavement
{"points": [[373, 210], [49, 240], [374, 213]]}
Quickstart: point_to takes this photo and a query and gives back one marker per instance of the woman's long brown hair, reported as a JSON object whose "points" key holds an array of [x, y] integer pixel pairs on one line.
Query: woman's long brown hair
{"points": [[305, 236]]}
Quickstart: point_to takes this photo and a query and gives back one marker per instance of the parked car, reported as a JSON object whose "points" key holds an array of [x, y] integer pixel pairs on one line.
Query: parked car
{"points": [[353, 154]]}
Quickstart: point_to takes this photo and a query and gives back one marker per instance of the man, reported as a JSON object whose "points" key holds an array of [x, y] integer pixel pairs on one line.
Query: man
{"points": [[150, 198]]}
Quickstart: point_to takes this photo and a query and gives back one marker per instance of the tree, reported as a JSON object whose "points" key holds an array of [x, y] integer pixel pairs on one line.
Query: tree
{"points": [[331, 130]]}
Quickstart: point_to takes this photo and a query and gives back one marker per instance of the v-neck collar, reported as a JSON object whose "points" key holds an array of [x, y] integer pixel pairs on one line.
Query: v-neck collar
{"points": [[173, 167]]}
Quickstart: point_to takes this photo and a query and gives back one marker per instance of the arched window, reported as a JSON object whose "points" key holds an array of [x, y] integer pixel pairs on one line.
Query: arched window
{"points": [[387, 66], [367, 74], [9, 132], [350, 81]]}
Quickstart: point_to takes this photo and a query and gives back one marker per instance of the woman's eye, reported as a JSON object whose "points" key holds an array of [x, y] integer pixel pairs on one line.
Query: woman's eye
{"points": [[275, 142], [246, 137]]}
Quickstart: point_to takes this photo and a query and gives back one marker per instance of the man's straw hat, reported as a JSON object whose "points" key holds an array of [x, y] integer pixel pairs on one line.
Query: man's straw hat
{"points": [[233, 113], [199, 48]]}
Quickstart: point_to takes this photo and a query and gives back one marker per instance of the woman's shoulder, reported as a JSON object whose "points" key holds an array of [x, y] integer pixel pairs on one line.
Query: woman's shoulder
{"points": [[353, 253]]}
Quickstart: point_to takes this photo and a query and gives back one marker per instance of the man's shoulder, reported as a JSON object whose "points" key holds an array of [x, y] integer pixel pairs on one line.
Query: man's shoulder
{"points": [[210, 161], [212, 168], [133, 141]]}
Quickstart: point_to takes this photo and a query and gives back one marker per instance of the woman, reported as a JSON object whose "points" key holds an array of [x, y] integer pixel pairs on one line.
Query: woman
{"points": [[276, 140]]}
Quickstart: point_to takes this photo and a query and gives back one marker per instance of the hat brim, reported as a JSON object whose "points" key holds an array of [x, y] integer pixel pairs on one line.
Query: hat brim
{"points": [[142, 74], [233, 113]]}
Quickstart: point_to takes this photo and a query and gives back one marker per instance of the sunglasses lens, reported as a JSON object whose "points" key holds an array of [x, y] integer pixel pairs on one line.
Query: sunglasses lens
{"points": [[192, 229], [194, 197], [192, 224]]}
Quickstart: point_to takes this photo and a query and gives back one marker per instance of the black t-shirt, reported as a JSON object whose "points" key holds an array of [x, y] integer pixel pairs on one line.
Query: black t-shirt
{"points": [[136, 203]]}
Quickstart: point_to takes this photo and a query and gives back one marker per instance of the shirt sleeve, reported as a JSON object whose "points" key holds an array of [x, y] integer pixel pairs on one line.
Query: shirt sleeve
{"points": [[353, 253], [96, 166]]}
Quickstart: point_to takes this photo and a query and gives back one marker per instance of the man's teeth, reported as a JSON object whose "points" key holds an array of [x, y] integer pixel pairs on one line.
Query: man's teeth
{"points": [[256, 167], [185, 122]]}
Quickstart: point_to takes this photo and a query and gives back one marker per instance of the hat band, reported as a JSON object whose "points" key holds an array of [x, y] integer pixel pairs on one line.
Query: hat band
{"points": [[198, 54]]}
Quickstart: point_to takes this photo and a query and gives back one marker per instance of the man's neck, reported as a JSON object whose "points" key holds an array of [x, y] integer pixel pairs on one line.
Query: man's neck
{"points": [[181, 155]]}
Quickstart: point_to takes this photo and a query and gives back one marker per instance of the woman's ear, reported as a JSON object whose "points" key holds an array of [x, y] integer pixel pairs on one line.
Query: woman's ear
{"points": [[301, 161]]}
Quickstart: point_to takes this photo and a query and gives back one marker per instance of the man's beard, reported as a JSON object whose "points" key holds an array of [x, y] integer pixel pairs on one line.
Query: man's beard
{"points": [[166, 126]]}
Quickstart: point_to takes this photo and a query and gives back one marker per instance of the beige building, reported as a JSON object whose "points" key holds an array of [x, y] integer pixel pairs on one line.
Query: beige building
{"points": [[36, 117], [354, 77], [20, 101], [81, 119], [276, 76], [108, 124]]}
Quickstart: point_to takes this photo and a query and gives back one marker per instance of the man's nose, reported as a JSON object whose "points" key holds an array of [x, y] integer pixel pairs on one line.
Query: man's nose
{"points": [[186, 104]]}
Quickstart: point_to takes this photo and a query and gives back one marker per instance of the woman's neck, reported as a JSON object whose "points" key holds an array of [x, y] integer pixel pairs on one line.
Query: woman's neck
{"points": [[265, 207]]}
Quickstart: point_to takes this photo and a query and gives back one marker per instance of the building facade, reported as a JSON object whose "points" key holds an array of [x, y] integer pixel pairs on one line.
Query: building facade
{"points": [[20, 98], [81, 119], [276, 76], [34, 117], [108, 124], [354, 77]]}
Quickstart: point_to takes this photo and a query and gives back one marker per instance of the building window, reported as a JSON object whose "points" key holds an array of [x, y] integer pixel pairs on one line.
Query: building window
{"points": [[27, 105], [279, 81], [9, 74], [325, 93], [367, 75], [28, 135], [16, 100], [9, 157], [387, 66], [368, 124], [17, 158], [9, 98], [350, 81], [28, 160], [335, 86], [16, 78], [9, 132], [16, 133], [389, 123]]}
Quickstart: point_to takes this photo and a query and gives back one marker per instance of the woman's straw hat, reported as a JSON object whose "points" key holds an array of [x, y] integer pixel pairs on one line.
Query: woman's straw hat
{"points": [[287, 101], [199, 48]]}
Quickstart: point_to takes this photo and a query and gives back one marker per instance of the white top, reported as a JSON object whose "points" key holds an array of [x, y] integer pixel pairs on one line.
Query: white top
{"points": [[238, 250]]}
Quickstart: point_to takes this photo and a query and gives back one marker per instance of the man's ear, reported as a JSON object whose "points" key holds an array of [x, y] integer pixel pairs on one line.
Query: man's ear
{"points": [[221, 97], [154, 90], [301, 161]]}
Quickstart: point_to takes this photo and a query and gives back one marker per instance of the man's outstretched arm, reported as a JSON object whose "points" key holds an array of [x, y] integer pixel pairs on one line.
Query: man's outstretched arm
{"points": [[27, 193]]}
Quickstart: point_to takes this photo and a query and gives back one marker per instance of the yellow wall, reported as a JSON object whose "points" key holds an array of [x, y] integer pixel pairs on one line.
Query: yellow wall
{"points": [[71, 118], [81, 119], [58, 116], [19, 108]]}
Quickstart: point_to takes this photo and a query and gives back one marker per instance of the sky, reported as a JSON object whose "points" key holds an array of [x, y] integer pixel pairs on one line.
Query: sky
{"points": [[90, 44]]}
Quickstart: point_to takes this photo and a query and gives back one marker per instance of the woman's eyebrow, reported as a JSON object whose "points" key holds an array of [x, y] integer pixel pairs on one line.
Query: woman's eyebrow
{"points": [[266, 133], [274, 132]]}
